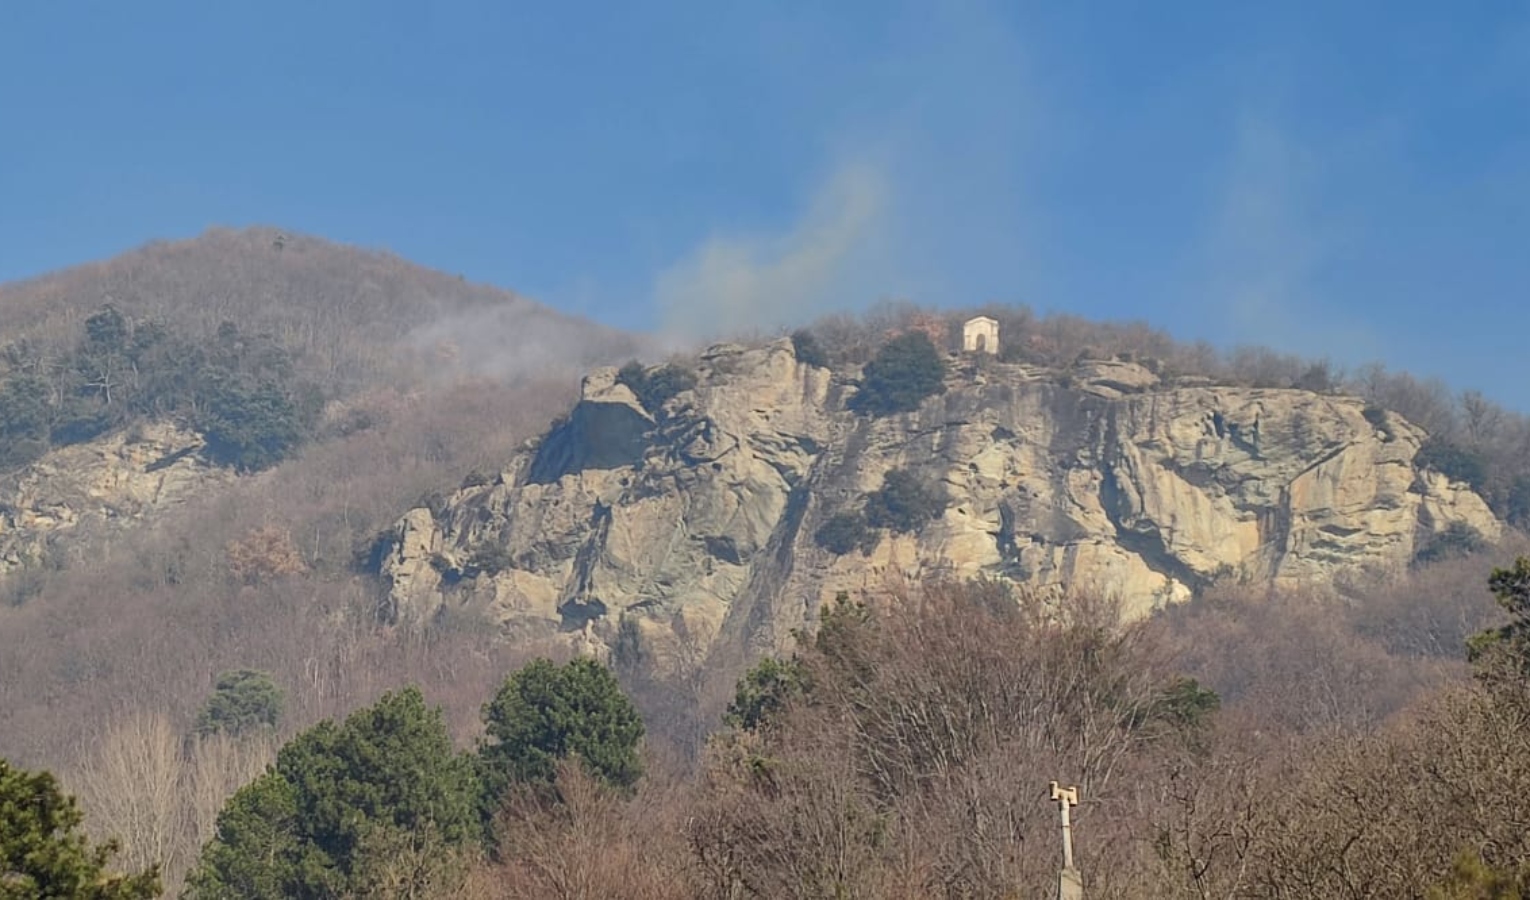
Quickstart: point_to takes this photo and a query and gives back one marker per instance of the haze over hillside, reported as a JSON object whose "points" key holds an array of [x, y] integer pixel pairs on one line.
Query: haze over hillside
{"points": [[344, 385], [260, 452], [352, 317]]}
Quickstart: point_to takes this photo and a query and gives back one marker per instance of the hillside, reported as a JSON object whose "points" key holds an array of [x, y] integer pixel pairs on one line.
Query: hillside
{"points": [[728, 500], [135, 383], [163, 409], [351, 318], [252, 451]]}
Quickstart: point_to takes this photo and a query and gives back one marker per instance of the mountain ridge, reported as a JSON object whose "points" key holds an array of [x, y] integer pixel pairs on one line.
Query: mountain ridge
{"points": [[706, 512]]}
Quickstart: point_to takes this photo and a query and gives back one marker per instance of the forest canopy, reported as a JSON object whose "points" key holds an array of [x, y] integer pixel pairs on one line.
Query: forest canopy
{"points": [[240, 391]]}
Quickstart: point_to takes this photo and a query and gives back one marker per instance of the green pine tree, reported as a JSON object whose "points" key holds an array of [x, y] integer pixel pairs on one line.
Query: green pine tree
{"points": [[242, 700], [310, 827], [544, 713], [44, 855], [1506, 648]]}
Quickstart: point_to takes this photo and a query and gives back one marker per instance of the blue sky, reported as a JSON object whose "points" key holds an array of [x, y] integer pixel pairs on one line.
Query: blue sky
{"points": [[1349, 179]]}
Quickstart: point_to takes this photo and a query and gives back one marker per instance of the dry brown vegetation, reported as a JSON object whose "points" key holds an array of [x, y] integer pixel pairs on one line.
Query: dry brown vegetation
{"points": [[159, 792], [160, 611], [261, 574], [129, 628], [355, 319], [143, 626], [917, 762]]}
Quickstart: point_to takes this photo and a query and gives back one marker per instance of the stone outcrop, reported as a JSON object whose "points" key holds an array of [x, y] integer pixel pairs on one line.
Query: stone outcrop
{"points": [[112, 482], [682, 525]]}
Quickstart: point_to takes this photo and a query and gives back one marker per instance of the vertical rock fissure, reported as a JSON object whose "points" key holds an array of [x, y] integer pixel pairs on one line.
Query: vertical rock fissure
{"points": [[750, 625], [580, 604], [1147, 544]]}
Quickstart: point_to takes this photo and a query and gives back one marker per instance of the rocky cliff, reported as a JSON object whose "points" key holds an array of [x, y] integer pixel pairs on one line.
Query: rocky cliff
{"points": [[695, 521], [112, 482]]}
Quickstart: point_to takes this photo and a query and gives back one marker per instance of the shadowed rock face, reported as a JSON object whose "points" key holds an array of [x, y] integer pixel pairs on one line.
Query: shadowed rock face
{"points": [[695, 522], [608, 429]]}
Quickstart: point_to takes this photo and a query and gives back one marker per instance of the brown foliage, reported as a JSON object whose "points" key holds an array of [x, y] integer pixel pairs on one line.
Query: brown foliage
{"points": [[918, 763], [1347, 760], [264, 554], [916, 766], [587, 842], [159, 793], [351, 317], [153, 612], [1386, 814]]}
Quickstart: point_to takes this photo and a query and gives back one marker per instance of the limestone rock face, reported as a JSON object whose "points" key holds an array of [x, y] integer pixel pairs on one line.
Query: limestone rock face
{"points": [[683, 526], [112, 482]]}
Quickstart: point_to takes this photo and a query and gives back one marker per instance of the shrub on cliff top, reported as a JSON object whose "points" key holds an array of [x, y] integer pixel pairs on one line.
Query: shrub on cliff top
{"points": [[906, 370], [655, 388], [805, 345]]}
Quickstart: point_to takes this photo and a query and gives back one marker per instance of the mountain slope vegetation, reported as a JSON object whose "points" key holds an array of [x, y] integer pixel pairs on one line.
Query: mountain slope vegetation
{"points": [[404, 385], [355, 382], [352, 318]]}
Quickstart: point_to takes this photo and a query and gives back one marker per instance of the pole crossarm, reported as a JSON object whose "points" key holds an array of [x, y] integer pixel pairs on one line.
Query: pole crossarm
{"points": [[1066, 798]]}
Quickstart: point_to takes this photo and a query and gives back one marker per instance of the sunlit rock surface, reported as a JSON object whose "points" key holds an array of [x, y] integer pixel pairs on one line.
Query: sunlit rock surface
{"points": [[682, 525]]}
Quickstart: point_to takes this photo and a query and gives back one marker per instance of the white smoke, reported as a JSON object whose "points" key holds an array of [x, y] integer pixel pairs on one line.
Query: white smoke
{"points": [[732, 283], [1267, 244]]}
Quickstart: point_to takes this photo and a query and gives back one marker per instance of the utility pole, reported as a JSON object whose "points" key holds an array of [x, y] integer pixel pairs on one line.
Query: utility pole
{"points": [[1070, 886]]}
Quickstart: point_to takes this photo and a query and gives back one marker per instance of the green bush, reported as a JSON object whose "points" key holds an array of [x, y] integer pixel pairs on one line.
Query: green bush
{"points": [[1472, 879], [904, 503], [764, 691], [1517, 502], [242, 700], [477, 478], [80, 420], [1183, 705], [1458, 539], [1508, 645], [906, 370], [17, 453], [249, 424], [490, 558], [1453, 461], [656, 387], [843, 532], [808, 350], [239, 390], [24, 408], [25, 420]]}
